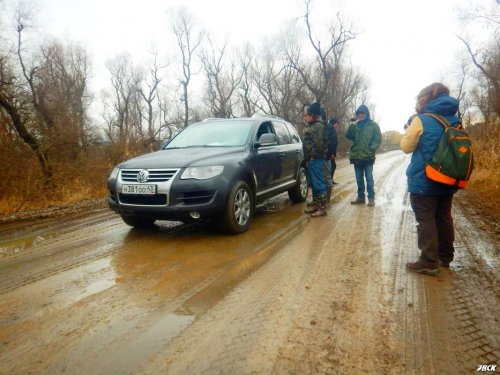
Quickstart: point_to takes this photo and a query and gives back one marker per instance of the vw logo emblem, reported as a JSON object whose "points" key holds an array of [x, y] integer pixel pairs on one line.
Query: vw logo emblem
{"points": [[142, 176]]}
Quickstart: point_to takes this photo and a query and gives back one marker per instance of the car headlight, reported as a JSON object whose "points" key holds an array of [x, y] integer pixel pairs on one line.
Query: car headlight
{"points": [[114, 173], [202, 173]]}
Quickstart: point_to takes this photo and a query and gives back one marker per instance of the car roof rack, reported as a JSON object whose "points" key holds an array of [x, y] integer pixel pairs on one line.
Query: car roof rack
{"points": [[263, 115]]}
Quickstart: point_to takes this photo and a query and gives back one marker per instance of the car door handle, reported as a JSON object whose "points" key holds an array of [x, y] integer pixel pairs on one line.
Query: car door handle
{"points": [[282, 154]]}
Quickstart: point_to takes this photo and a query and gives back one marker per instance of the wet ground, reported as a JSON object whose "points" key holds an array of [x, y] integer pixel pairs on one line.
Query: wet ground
{"points": [[294, 295]]}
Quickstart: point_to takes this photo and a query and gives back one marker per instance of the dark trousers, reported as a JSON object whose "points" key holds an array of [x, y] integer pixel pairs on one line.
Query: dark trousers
{"points": [[333, 166], [434, 227]]}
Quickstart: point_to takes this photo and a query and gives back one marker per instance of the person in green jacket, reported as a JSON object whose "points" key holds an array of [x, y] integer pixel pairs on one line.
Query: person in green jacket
{"points": [[366, 137]]}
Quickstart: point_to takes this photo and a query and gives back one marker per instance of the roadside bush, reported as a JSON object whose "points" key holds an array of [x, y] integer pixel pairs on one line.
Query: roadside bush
{"points": [[484, 186], [22, 184]]}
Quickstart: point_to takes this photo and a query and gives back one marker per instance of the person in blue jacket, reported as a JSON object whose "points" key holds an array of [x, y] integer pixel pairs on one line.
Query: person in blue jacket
{"points": [[431, 201]]}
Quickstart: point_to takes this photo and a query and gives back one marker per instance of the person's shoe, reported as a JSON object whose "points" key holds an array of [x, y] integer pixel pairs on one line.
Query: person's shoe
{"points": [[371, 202], [311, 209], [444, 264], [419, 267], [358, 201], [321, 211], [310, 204]]}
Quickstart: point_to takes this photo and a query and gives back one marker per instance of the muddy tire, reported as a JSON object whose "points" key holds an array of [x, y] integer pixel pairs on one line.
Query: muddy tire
{"points": [[138, 222], [298, 193], [239, 209]]}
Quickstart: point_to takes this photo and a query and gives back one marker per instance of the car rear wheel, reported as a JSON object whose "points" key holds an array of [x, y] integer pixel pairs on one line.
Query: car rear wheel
{"points": [[298, 193], [138, 222], [239, 209]]}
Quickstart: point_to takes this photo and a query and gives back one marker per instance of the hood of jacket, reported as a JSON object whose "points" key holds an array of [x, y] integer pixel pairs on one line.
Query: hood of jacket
{"points": [[443, 105], [363, 109]]}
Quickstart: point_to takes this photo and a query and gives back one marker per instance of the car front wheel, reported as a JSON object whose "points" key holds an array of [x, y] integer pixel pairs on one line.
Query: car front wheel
{"points": [[239, 209], [298, 193]]}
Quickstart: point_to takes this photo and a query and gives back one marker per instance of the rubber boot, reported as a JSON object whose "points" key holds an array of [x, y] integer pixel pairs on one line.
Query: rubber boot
{"points": [[321, 211], [311, 209]]}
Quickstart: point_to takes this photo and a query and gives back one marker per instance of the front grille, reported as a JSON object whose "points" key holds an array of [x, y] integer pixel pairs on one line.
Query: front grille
{"points": [[196, 197], [155, 175], [145, 200]]}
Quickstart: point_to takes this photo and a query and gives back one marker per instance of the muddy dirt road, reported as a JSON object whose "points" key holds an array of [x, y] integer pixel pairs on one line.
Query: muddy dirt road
{"points": [[294, 295]]}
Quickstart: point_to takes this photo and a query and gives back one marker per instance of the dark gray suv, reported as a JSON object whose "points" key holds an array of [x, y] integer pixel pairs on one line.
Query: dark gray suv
{"points": [[217, 168]]}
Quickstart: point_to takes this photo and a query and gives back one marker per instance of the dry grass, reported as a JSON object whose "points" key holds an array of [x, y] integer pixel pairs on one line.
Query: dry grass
{"points": [[22, 188], [483, 191]]}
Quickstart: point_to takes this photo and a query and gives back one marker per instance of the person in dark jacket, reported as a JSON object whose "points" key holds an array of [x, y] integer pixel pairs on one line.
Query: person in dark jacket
{"points": [[431, 201], [333, 141], [366, 137], [327, 172], [315, 147]]}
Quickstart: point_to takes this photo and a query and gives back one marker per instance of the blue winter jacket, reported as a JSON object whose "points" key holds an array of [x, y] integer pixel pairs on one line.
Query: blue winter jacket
{"points": [[422, 138]]}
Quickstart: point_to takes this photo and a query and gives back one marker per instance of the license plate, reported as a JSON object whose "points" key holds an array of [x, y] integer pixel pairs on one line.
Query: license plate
{"points": [[139, 189]]}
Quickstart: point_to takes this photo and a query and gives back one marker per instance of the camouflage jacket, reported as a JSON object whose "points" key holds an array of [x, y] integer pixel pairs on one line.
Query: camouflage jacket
{"points": [[315, 141]]}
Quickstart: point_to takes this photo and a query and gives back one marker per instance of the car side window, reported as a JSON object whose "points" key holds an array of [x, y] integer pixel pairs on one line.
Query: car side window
{"points": [[264, 128], [282, 133], [293, 133]]}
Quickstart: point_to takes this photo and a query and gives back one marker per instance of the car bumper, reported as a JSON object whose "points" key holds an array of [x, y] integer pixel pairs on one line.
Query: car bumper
{"points": [[177, 200]]}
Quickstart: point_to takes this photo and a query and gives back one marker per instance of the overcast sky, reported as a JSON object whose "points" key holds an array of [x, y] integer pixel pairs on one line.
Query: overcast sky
{"points": [[402, 46]]}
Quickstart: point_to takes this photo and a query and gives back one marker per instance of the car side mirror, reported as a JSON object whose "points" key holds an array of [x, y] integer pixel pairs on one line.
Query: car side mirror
{"points": [[267, 139]]}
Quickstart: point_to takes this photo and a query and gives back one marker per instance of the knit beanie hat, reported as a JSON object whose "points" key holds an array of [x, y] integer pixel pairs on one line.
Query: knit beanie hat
{"points": [[314, 109]]}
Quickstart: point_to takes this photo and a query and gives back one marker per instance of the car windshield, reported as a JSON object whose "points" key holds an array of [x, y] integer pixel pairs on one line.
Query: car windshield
{"points": [[213, 133]]}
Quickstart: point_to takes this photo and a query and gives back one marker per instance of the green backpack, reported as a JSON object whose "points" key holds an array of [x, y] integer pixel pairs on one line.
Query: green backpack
{"points": [[453, 161]]}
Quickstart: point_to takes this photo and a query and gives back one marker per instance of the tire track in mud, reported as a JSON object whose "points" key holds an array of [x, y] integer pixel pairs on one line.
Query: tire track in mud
{"points": [[115, 321], [61, 253], [153, 330], [324, 296], [280, 319], [448, 324], [65, 248], [355, 337], [473, 296], [228, 338], [359, 312]]}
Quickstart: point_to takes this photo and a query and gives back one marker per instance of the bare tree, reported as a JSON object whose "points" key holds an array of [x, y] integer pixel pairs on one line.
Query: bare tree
{"points": [[489, 66], [13, 101], [122, 106], [149, 91], [188, 40], [246, 84], [221, 81], [61, 94], [348, 89], [279, 85], [47, 99], [318, 74]]}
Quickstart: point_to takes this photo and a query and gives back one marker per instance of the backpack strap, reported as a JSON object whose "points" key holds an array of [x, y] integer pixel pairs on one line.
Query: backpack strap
{"points": [[442, 120]]}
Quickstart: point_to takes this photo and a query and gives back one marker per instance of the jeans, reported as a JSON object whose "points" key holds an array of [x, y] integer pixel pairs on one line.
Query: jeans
{"points": [[435, 229], [327, 175], [363, 171], [315, 169]]}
